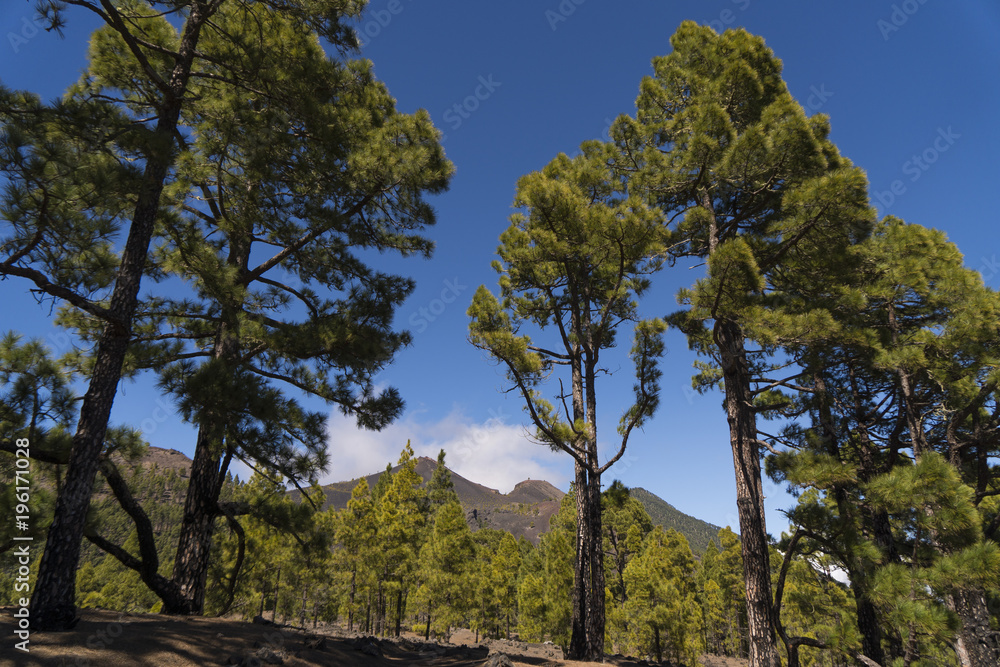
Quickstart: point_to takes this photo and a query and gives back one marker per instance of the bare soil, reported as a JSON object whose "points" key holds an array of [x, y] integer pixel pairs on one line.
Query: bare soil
{"points": [[113, 639]]}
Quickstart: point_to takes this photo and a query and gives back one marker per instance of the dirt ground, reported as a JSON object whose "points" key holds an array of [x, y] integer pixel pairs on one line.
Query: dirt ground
{"points": [[113, 639]]}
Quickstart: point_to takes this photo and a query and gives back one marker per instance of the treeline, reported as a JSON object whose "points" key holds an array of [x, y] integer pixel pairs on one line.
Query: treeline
{"points": [[402, 557]]}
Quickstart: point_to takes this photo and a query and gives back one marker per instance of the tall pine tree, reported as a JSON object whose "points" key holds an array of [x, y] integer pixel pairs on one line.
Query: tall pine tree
{"points": [[572, 265], [751, 185]]}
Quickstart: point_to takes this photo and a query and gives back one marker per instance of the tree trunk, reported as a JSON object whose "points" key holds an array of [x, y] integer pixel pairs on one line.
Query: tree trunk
{"points": [[200, 511], [277, 587], [399, 611], [868, 624], [749, 493], [980, 643], [595, 613], [578, 637], [53, 605], [350, 609]]}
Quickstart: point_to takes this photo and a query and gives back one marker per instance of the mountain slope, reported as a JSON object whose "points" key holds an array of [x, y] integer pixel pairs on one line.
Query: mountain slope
{"points": [[525, 511], [698, 533]]}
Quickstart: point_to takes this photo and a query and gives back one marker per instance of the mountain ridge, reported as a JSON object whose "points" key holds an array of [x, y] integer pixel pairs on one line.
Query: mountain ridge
{"points": [[524, 511]]}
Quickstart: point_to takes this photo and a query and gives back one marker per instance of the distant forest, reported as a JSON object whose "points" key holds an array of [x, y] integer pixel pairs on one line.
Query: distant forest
{"points": [[401, 556]]}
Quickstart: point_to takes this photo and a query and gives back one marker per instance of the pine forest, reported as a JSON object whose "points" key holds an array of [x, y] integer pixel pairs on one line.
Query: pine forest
{"points": [[226, 205]]}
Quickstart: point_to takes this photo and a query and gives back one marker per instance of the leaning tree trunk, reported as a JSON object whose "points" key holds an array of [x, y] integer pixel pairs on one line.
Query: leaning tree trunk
{"points": [[53, 605], [749, 493], [200, 512], [208, 471]]}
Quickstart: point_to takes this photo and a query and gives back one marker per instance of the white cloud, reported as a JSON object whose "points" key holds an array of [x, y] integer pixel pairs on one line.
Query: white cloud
{"points": [[492, 453]]}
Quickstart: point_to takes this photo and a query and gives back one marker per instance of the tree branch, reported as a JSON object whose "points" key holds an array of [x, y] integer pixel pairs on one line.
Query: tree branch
{"points": [[45, 285]]}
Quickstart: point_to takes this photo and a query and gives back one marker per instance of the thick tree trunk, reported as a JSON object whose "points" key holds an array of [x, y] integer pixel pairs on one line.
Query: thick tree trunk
{"points": [[53, 601], [578, 635], [980, 643], [749, 494], [200, 511], [595, 613], [587, 639], [868, 624]]}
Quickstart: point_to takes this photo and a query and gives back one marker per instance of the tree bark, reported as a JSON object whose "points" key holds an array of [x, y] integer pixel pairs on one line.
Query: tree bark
{"points": [[980, 643], [595, 613], [578, 636], [749, 494], [277, 588], [868, 624], [195, 542], [53, 605]]}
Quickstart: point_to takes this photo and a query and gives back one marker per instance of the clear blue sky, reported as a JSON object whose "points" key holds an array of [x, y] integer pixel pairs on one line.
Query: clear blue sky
{"points": [[911, 88]]}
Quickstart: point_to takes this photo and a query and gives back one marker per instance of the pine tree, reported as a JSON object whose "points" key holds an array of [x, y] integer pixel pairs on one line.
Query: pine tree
{"points": [[440, 489], [755, 187], [662, 587], [626, 524], [400, 521], [911, 364], [572, 264], [299, 129], [355, 556], [445, 561], [504, 566]]}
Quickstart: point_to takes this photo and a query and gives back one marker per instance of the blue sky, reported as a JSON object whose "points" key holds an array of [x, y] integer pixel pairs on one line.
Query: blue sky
{"points": [[912, 91]]}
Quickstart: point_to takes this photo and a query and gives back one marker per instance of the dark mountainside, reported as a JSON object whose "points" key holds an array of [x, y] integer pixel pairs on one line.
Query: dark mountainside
{"points": [[698, 532]]}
